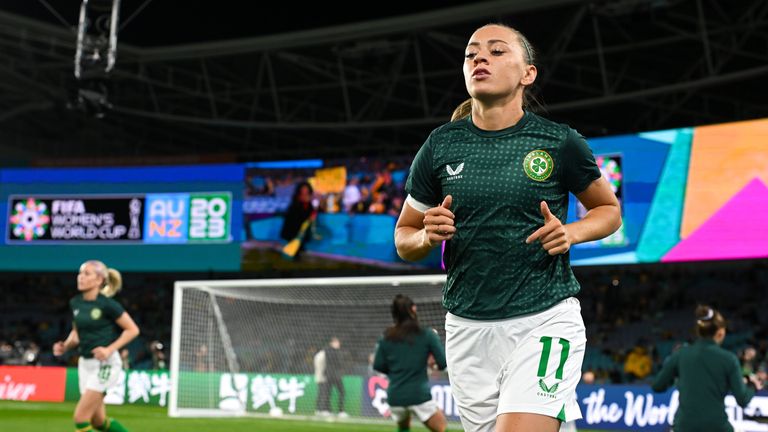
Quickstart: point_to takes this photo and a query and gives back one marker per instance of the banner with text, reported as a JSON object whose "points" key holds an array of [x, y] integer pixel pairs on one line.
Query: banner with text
{"points": [[134, 218], [617, 407], [29, 383]]}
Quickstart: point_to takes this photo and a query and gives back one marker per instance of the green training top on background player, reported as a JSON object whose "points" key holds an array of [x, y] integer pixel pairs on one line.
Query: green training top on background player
{"points": [[704, 373], [493, 185], [403, 354]]}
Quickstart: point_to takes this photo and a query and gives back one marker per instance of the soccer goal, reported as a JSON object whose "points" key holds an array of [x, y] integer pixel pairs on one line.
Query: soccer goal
{"points": [[251, 346]]}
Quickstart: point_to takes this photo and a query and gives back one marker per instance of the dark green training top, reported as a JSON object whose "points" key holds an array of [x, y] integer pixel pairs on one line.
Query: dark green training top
{"points": [[498, 180], [405, 363], [95, 322], [705, 374]]}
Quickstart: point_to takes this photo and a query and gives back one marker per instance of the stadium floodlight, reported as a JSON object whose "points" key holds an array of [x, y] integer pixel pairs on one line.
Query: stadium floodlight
{"points": [[247, 346], [95, 53], [96, 37]]}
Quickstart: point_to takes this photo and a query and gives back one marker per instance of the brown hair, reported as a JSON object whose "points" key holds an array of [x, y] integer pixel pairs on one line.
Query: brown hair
{"points": [[465, 108], [406, 322], [113, 280], [708, 321]]}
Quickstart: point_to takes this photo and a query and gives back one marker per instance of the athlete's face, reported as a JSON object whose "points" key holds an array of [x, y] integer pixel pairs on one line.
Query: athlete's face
{"points": [[88, 279], [495, 65]]}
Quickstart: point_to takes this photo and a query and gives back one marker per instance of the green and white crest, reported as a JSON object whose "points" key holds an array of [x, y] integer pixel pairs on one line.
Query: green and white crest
{"points": [[95, 313], [538, 165]]}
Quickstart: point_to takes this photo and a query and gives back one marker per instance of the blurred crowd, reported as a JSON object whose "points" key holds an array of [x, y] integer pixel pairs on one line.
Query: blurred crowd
{"points": [[637, 315], [372, 186]]}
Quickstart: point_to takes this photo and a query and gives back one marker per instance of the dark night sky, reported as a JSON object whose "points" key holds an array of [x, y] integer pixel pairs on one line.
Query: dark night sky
{"points": [[169, 22]]}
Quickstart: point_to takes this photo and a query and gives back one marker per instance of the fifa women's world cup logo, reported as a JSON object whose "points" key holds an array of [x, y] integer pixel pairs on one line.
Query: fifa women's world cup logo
{"points": [[30, 219]]}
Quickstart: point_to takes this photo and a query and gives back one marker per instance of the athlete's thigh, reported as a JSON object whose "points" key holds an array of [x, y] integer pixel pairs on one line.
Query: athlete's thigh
{"points": [[474, 360], [90, 403], [542, 375]]}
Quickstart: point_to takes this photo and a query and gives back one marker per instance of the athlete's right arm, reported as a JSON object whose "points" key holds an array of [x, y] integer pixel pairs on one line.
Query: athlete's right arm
{"points": [[73, 340], [380, 360], [416, 233]]}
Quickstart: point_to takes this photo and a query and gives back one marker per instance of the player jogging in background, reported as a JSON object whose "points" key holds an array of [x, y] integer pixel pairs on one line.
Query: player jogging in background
{"points": [[403, 354], [493, 184], [100, 328], [705, 374]]}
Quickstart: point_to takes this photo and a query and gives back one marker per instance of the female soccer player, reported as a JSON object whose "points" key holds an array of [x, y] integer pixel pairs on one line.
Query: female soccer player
{"points": [[403, 354], [705, 374], [100, 328], [493, 185]]}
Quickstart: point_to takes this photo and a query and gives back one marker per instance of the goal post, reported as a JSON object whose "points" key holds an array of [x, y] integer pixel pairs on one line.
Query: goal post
{"points": [[242, 347]]}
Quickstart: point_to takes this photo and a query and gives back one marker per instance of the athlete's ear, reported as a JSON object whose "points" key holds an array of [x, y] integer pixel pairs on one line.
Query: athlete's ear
{"points": [[530, 75]]}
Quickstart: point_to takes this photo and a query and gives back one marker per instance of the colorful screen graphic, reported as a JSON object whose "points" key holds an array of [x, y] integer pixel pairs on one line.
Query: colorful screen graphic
{"points": [[154, 218], [169, 218], [688, 195]]}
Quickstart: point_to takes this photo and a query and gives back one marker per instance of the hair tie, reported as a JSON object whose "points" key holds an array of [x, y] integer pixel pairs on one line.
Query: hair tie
{"points": [[709, 316]]}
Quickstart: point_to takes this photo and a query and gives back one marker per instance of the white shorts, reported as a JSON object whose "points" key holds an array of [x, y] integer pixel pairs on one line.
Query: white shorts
{"points": [[423, 411], [526, 364], [99, 375]]}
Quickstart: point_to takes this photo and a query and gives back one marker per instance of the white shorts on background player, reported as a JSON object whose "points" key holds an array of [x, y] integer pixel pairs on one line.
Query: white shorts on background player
{"points": [[99, 375], [423, 411], [504, 366]]}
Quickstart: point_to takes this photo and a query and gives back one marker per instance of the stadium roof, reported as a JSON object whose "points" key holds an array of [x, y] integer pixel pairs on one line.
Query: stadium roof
{"points": [[323, 82]]}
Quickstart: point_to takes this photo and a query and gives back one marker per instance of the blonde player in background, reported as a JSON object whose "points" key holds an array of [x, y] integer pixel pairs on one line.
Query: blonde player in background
{"points": [[100, 328]]}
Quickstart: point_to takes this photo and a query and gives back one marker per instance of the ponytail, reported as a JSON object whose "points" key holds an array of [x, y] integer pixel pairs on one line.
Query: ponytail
{"points": [[462, 111], [708, 321], [406, 321], [113, 283]]}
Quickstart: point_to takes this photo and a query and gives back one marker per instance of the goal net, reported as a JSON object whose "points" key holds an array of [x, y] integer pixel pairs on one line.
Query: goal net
{"points": [[251, 346]]}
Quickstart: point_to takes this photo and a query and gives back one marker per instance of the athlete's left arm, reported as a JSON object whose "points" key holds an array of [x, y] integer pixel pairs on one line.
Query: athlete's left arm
{"points": [[740, 390], [603, 216], [130, 331]]}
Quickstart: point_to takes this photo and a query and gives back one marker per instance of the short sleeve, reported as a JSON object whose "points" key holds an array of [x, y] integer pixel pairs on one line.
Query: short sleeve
{"points": [[421, 184], [113, 309], [578, 162]]}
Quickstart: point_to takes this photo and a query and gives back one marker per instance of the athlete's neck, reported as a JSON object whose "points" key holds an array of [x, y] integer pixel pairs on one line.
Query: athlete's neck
{"points": [[90, 295], [493, 117]]}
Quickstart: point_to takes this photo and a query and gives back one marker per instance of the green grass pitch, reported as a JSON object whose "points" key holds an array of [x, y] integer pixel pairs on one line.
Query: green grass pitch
{"points": [[40, 416]]}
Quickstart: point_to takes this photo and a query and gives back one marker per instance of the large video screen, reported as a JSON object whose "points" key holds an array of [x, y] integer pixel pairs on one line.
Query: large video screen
{"points": [[176, 218], [353, 205], [687, 195]]}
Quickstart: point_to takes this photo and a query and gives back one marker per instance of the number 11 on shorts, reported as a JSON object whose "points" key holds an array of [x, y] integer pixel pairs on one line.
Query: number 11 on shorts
{"points": [[544, 360]]}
